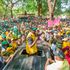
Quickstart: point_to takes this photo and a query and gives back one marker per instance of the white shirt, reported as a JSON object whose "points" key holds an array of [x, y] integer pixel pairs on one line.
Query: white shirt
{"points": [[55, 66], [53, 47], [47, 35]]}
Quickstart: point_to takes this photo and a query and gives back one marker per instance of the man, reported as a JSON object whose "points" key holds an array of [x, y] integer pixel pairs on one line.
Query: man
{"points": [[31, 39], [58, 64]]}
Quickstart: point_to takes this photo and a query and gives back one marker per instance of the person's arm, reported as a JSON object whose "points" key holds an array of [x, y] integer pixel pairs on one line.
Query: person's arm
{"points": [[30, 45], [9, 59], [49, 60]]}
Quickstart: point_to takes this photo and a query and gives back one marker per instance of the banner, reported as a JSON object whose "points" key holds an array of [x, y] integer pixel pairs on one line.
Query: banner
{"points": [[51, 23]]}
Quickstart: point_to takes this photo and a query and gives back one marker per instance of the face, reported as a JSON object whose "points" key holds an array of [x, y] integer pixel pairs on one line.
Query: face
{"points": [[33, 31], [23, 38], [19, 41], [57, 58]]}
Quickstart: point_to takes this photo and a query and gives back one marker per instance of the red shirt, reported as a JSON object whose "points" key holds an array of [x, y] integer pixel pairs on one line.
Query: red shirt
{"points": [[67, 56]]}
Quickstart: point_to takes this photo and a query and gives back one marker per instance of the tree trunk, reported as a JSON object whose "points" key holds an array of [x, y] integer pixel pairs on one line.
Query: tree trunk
{"points": [[39, 8], [11, 13], [11, 9], [51, 8], [5, 14]]}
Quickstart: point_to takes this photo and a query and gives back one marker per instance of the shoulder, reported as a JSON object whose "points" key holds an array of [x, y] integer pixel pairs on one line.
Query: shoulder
{"points": [[49, 67], [29, 34]]}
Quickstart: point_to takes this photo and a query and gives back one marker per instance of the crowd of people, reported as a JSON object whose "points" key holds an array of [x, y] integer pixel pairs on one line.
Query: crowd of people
{"points": [[55, 38]]}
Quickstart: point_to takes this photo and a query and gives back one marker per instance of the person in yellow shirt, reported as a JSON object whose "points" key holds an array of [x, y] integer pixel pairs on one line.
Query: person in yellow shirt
{"points": [[31, 40], [0, 37], [14, 44], [7, 32]]}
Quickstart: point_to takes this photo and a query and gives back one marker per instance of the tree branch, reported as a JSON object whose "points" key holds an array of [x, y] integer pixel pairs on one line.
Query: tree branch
{"points": [[16, 2], [54, 5], [49, 5]]}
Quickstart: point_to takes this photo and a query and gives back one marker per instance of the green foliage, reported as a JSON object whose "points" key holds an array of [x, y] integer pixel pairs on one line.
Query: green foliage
{"points": [[44, 7], [67, 12], [58, 8], [30, 6]]}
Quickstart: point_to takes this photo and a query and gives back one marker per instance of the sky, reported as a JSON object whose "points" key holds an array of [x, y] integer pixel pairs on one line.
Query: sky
{"points": [[65, 6]]}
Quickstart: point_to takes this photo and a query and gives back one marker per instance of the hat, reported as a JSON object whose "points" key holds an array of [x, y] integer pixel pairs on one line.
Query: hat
{"points": [[34, 28], [4, 42], [3, 36], [60, 54], [68, 32]]}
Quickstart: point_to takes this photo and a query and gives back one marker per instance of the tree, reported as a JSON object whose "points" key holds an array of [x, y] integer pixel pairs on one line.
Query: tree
{"points": [[58, 8], [39, 7], [11, 5], [4, 7], [8, 8], [8, 5], [51, 7], [44, 8]]}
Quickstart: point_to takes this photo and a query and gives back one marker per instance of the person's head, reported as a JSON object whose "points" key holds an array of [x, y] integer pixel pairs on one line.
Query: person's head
{"points": [[33, 30], [59, 55], [54, 42], [8, 30], [23, 37], [18, 41]]}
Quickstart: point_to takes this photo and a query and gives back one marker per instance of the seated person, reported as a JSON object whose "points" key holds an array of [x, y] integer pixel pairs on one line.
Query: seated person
{"points": [[58, 64]]}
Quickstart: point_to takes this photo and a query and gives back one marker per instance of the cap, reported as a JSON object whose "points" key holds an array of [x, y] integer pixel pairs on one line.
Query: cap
{"points": [[3, 36], [60, 54], [34, 28]]}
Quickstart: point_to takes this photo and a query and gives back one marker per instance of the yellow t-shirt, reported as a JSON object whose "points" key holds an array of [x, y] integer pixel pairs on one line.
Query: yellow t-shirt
{"points": [[33, 49], [14, 45], [0, 37], [65, 44], [6, 33]]}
